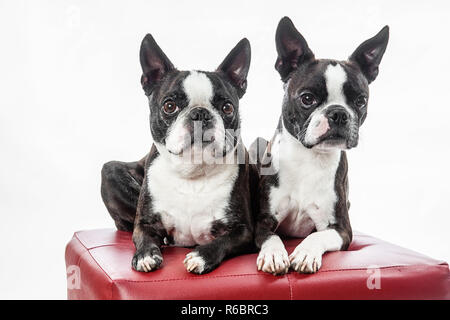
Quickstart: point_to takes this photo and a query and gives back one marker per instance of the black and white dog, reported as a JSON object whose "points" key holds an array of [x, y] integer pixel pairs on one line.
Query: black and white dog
{"points": [[303, 185], [191, 189]]}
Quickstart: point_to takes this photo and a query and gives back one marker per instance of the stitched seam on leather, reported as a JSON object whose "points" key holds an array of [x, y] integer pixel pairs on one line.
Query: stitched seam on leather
{"points": [[440, 262], [388, 267], [256, 274], [108, 245], [290, 287], [88, 250], [200, 277]]}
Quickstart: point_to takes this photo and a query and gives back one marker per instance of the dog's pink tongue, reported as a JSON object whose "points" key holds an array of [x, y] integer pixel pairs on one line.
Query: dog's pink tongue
{"points": [[321, 127]]}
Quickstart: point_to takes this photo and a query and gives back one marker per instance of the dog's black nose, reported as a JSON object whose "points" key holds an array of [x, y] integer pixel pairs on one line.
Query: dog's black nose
{"points": [[201, 114], [338, 115]]}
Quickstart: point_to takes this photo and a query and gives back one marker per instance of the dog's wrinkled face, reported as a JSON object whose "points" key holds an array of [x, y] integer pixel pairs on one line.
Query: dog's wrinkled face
{"points": [[194, 112], [325, 101]]}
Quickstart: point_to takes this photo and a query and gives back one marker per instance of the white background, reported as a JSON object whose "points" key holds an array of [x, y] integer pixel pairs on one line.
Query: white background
{"points": [[70, 100]]}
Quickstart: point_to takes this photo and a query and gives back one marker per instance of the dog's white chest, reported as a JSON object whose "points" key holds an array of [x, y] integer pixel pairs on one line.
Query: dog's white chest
{"points": [[305, 197], [188, 207]]}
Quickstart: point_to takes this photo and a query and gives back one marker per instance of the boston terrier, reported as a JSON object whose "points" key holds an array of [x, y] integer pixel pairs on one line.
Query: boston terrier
{"points": [[303, 189], [193, 188]]}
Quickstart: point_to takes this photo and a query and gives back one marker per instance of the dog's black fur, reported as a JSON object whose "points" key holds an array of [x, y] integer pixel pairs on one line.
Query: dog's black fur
{"points": [[124, 186], [301, 72]]}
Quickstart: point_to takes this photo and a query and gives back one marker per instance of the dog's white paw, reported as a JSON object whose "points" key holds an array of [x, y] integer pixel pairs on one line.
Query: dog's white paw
{"points": [[194, 263], [273, 257], [147, 263], [305, 259]]}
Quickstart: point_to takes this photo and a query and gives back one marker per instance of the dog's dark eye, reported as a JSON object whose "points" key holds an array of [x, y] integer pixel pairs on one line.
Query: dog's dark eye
{"points": [[361, 101], [307, 99], [170, 107], [228, 108]]}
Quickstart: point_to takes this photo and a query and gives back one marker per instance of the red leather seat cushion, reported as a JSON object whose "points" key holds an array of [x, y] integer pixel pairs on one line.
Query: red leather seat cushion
{"points": [[103, 260]]}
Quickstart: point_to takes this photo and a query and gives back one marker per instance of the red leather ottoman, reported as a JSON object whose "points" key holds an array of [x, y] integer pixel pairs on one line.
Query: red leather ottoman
{"points": [[98, 267]]}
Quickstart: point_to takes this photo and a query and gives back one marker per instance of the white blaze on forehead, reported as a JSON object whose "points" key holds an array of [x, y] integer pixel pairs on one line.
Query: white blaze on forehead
{"points": [[198, 89], [199, 92], [335, 77]]}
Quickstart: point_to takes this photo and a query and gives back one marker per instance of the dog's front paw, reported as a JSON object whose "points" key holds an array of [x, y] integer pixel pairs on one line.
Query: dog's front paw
{"points": [[273, 258], [195, 263], [305, 259], [147, 260]]}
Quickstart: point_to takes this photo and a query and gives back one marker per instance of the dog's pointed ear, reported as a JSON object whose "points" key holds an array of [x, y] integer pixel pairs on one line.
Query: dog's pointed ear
{"points": [[236, 65], [368, 55], [292, 48], [154, 63]]}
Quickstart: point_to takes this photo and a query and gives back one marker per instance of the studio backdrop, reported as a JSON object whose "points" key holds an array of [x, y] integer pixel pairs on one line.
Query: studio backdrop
{"points": [[71, 100]]}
